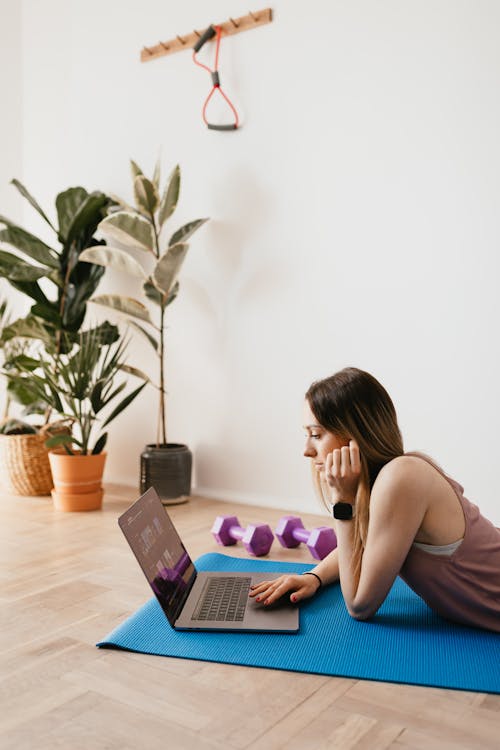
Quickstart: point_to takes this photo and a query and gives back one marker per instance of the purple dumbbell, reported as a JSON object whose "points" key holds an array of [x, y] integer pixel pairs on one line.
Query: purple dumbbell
{"points": [[320, 541], [257, 538]]}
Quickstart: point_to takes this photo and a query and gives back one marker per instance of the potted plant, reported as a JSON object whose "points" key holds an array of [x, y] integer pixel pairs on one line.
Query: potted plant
{"points": [[52, 325], [80, 387], [24, 464], [164, 465]]}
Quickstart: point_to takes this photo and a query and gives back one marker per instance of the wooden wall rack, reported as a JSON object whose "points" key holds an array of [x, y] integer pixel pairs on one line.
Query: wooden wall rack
{"points": [[187, 41]]}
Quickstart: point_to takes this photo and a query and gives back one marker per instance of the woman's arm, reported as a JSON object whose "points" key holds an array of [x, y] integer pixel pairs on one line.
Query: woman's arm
{"points": [[397, 507]]}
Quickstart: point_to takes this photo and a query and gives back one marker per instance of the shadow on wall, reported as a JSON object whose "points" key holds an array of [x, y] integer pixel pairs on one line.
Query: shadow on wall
{"points": [[241, 269]]}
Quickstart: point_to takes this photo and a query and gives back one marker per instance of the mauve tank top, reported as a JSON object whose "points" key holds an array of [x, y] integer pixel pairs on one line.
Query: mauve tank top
{"points": [[464, 586]]}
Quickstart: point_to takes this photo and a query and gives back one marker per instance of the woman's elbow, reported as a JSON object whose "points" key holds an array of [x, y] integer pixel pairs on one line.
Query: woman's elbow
{"points": [[362, 612]]}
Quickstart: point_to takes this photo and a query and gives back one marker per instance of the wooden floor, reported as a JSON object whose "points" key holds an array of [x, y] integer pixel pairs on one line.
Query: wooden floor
{"points": [[68, 579]]}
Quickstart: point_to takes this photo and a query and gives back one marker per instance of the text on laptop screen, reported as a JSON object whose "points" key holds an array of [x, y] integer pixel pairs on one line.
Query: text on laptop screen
{"points": [[160, 553]]}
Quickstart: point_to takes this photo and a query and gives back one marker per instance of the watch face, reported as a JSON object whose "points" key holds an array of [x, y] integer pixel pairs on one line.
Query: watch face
{"points": [[342, 511]]}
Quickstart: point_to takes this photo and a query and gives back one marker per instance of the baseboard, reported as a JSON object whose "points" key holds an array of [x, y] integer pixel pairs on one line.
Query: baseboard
{"points": [[267, 501]]}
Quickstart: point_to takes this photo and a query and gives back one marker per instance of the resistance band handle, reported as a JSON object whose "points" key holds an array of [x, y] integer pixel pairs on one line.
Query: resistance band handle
{"points": [[205, 37], [221, 127]]}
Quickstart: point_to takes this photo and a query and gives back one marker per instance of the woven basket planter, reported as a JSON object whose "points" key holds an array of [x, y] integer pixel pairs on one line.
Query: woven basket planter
{"points": [[24, 463]]}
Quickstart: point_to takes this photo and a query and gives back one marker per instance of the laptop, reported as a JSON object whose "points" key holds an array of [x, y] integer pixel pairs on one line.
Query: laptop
{"points": [[192, 599]]}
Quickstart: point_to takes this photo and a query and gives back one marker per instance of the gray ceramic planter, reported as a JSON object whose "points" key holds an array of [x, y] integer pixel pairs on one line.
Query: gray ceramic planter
{"points": [[167, 468]]}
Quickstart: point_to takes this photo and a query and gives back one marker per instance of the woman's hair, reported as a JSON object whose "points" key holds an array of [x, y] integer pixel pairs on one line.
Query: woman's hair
{"points": [[353, 404]]}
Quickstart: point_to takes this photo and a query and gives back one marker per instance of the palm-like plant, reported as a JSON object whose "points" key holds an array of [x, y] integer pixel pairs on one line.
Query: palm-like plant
{"points": [[141, 229], [81, 385]]}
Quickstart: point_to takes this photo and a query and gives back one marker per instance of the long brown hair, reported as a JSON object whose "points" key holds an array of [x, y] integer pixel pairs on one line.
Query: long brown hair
{"points": [[353, 404]]}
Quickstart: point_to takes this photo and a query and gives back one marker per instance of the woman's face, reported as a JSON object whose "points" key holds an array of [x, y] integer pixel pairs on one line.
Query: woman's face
{"points": [[319, 441]]}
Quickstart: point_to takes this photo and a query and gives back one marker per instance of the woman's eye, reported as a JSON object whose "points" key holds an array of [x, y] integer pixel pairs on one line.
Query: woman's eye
{"points": [[316, 437]]}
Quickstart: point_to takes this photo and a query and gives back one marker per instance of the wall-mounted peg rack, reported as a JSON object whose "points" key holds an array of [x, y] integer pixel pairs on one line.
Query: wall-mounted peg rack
{"points": [[187, 41]]}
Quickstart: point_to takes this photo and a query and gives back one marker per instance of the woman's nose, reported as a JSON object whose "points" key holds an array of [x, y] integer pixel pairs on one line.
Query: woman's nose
{"points": [[309, 451]]}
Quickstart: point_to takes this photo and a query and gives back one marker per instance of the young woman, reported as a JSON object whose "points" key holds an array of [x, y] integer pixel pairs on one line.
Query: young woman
{"points": [[394, 513]]}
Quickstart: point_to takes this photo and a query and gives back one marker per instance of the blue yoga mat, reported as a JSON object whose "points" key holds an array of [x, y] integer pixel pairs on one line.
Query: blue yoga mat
{"points": [[405, 642]]}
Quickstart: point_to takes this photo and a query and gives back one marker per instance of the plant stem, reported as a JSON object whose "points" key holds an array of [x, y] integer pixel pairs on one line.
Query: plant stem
{"points": [[6, 410], [161, 433], [162, 378]]}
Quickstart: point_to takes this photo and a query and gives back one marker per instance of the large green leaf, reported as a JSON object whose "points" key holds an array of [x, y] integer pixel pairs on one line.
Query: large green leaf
{"points": [[106, 333], [31, 288], [24, 192], [146, 195], [170, 196], [6, 221], [87, 219], [168, 267], [25, 272], [185, 232], [68, 204], [83, 283], [30, 245], [7, 260], [112, 257], [13, 268], [21, 362], [129, 229], [48, 312], [28, 327], [125, 305], [20, 391]]}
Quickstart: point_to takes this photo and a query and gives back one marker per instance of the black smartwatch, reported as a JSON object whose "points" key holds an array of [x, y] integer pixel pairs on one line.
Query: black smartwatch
{"points": [[343, 511]]}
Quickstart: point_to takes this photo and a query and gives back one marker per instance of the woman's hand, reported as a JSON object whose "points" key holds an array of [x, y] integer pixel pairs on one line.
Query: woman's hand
{"points": [[301, 586], [342, 472]]}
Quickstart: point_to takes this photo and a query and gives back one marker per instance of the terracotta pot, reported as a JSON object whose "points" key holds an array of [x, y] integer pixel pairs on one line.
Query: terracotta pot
{"points": [[77, 480]]}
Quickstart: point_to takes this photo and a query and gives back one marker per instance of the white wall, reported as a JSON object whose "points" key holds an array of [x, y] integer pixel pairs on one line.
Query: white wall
{"points": [[11, 136], [11, 98], [354, 217]]}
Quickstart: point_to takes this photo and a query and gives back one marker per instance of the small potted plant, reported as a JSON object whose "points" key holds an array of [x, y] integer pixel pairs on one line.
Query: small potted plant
{"points": [[164, 465], [81, 387], [51, 327]]}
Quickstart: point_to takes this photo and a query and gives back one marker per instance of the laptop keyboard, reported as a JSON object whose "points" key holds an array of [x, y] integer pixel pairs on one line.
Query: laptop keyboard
{"points": [[223, 600]]}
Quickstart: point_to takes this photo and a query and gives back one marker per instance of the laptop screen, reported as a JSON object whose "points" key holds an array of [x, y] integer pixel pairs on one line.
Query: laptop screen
{"points": [[159, 551]]}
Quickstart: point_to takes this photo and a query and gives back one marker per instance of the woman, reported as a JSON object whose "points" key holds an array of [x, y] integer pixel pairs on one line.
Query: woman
{"points": [[395, 513]]}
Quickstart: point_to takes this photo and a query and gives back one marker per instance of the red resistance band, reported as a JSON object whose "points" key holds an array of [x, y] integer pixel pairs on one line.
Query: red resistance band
{"points": [[209, 34]]}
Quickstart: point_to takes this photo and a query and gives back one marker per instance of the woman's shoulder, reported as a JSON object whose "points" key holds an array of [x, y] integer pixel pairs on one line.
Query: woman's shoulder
{"points": [[408, 469]]}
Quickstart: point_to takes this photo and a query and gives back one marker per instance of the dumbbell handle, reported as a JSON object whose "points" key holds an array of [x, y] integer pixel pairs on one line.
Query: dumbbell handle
{"points": [[237, 532], [301, 535]]}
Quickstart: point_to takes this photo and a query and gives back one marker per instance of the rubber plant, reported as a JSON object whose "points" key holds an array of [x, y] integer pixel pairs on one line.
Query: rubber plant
{"points": [[141, 229]]}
